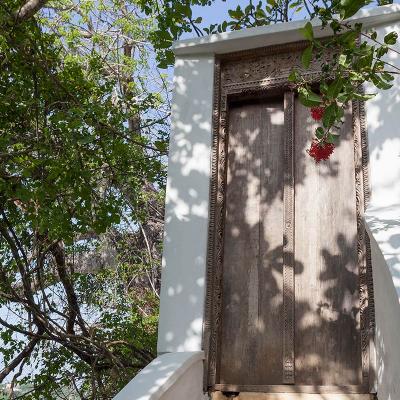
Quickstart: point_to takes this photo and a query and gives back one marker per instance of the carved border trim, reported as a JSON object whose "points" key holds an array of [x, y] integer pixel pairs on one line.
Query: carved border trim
{"points": [[211, 312], [369, 279], [265, 51], [288, 243], [361, 253], [222, 94]]}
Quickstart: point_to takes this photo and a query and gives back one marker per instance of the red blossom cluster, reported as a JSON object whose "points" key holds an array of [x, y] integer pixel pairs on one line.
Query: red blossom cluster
{"points": [[320, 150], [317, 113]]}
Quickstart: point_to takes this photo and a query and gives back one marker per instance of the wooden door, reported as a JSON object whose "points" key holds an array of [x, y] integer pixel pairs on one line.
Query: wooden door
{"points": [[290, 311]]}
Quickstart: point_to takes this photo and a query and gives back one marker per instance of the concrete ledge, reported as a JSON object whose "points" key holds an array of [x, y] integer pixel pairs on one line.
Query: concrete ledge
{"points": [[160, 376], [252, 38]]}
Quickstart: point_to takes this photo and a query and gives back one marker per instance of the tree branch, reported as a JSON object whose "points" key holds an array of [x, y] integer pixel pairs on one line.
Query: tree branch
{"points": [[73, 305], [28, 10], [19, 358]]}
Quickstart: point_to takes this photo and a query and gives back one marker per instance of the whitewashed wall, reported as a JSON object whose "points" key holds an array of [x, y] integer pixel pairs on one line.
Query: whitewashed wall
{"points": [[186, 219], [383, 117], [387, 319], [173, 376], [383, 223]]}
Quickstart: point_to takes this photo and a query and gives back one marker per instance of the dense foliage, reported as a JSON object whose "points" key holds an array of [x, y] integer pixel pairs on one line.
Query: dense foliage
{"points": [[82, 138]]}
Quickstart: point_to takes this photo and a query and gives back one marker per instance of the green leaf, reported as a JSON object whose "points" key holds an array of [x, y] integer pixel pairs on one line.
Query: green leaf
{"points": [[161, 145], [236, 14], [330, 115], [335, 26], [307, 31], [349, 37], [381, 51], [339, 113], [350, 7], [364, 97], [260, 14], [323, 87], [86, 139], [380, 83], [342, 98], [390, 38], [387, 76], [319, 132], [335, 87], [342, 60], [332, 138], [293, 76], [309, 98], [306, 57]]}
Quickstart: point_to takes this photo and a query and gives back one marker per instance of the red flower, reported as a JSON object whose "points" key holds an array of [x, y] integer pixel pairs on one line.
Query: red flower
{"points": [[320, 150], [317, 113]]}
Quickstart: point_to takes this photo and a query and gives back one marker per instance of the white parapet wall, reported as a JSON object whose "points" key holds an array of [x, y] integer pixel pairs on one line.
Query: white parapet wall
{"points": [[387, 331], [383, 224], [173, 376], [186, 209], [383, 121]]}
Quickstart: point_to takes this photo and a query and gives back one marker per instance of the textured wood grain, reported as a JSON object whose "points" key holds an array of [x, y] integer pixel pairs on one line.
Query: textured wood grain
{"points": [[251, 334], [328, 350]]}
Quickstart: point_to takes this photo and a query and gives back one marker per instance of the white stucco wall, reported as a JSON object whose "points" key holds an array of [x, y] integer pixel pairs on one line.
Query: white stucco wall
{"points": [[383, 114], [188, 386], [387, 320], [383, 223], [186, 219], [172, 376], [383, 122]]}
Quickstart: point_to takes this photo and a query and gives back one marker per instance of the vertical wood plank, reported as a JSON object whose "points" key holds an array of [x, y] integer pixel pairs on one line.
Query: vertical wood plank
{"points": [[251, 316], [327, 313], [288, 243]]}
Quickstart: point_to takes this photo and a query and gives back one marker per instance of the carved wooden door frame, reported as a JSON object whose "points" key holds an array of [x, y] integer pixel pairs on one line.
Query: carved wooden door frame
{"points": [[257, 73]]}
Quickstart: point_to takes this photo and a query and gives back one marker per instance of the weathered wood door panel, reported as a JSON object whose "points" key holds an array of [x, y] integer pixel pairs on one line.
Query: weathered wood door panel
{"points": [[252, 286], [327, 323], [256, 331]]}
